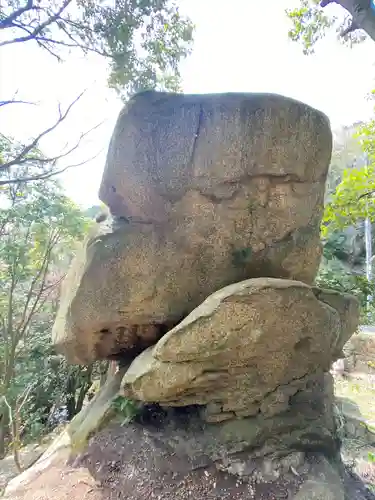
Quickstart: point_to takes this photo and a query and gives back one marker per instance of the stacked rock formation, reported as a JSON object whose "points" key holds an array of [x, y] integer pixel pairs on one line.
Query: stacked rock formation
{"points": [[205, 191], [201, 278]]}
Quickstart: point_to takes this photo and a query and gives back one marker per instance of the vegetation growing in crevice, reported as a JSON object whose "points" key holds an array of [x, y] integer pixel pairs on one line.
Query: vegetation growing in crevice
{"points": [[126, 408]]}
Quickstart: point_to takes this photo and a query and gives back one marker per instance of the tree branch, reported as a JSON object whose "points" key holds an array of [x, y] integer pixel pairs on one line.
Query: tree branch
{"points": [[33, 35], [40, 35], [15, 443], [352, 27], [13, 101], [26, 157], [364, 195], [8, 21], [362, 12], [45, 175]]}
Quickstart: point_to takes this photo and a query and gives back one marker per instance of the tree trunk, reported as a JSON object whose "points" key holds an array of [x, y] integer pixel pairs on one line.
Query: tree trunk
{"points": [[86, 384], [70, 396], [363, 15], [103, 373], [4, 430]]}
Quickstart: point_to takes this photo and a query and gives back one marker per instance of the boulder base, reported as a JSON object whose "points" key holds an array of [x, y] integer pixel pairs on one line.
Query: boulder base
{"points": [[166, 463]]}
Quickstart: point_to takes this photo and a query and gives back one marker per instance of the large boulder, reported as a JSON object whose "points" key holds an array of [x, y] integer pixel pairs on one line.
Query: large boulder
{"points": [[204, 191], [168, 149], [256, 348]]}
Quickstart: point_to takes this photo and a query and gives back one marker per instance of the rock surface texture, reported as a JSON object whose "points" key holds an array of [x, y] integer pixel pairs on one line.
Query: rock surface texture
{"points": [[205, 191], [201, 281]]}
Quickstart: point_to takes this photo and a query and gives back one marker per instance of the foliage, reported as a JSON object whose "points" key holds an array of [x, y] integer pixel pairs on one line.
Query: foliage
{"points": [[333, 275], [39, 227], [347, 205], [347, 248], [347, 153], [143, 40], [352, 200], [309, 24], [125, 407], [93, 211]]}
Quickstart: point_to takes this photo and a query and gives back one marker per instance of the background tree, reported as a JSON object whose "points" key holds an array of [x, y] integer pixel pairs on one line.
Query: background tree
{"points": [[343, 266], [142, 41], [351, 180]]}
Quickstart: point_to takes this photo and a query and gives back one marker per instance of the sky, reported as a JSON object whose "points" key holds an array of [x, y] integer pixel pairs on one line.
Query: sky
{"points": [[240, 45]]}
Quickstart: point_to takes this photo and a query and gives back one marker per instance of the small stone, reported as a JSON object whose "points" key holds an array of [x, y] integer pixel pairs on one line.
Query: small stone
{"points": [[236, 468], [295, 460], [220, 417]]}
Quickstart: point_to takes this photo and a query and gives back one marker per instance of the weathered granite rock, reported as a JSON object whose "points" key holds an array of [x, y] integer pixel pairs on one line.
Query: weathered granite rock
{"points": [[211, 190], [246, 350]]}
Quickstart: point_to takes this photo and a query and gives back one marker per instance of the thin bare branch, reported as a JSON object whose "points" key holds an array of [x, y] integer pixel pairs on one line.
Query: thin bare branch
{"points": [[33, 144], [42, 160], [9, 333], [12, 101], [352, 27], [40, 28], [40, 277], [24, 158], [46, 175], [24, 397]]}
